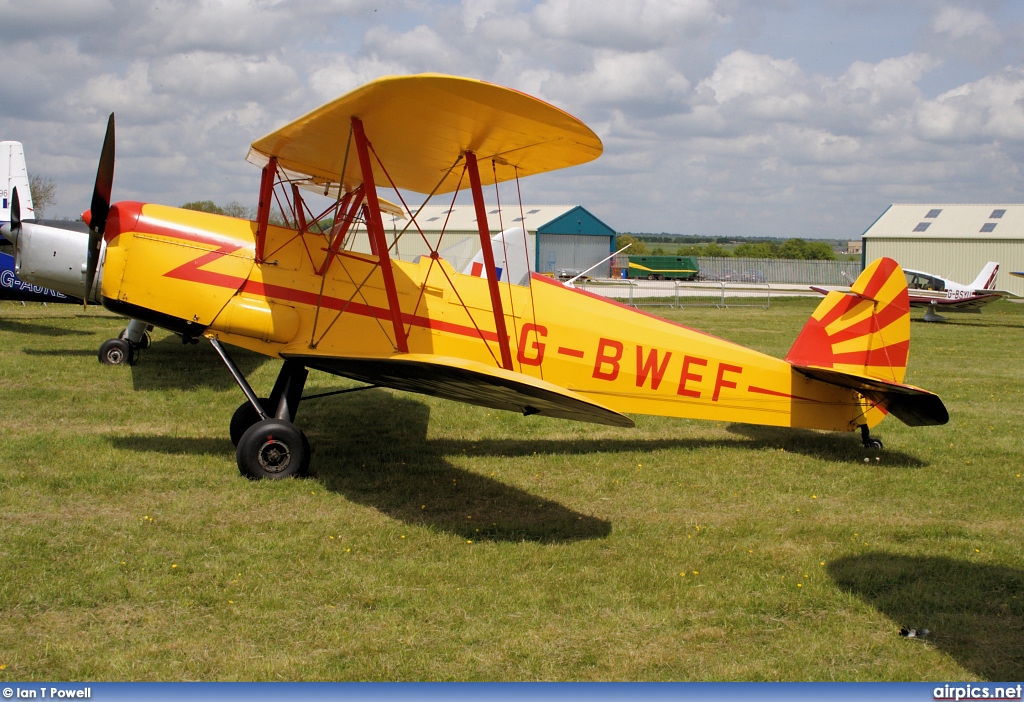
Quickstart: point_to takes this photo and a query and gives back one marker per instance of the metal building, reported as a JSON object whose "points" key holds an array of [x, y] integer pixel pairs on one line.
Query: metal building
{"points": [[558, 237], [953, 241]]}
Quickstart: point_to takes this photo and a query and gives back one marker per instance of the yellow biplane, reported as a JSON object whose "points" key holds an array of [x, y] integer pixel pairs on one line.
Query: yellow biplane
{"points": [[304, 293]]}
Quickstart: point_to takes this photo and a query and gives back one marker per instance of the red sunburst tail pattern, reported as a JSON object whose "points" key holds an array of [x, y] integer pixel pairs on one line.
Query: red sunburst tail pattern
{"points": [[864, 332]]}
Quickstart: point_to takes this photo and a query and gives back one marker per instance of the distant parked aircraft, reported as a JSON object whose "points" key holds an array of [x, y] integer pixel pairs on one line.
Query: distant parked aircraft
{"points": [[14, 177], [937, 293]]}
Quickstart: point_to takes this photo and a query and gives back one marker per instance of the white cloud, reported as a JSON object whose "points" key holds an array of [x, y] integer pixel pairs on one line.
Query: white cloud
{"points": [[207, 76], [626, 24], [992, 108], [344, 74], [960, 23], [634, 82], [759, 86], [711, 122]]}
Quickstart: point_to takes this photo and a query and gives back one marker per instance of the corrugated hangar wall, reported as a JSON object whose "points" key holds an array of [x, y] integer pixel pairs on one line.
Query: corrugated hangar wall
{"points": [[952, 241], [575, 241]]}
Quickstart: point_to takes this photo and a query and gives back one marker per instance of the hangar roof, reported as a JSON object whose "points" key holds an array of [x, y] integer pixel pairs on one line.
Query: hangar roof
{"points": [[949, 222]]}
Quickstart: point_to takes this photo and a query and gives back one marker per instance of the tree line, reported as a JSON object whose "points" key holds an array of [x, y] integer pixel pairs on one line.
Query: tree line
{"points": [[795, 248]]}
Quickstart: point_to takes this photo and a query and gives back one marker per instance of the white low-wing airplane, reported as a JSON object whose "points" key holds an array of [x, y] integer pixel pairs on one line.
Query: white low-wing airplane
{"points": [[48, 260], [937, 293], [14, 179]]}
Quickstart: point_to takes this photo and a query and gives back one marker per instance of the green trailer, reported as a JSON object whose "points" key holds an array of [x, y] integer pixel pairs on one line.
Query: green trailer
{"points": [[663, 267]]}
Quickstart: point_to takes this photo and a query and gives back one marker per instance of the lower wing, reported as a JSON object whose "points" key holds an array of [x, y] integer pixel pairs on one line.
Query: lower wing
{"points": [[470, 382]]}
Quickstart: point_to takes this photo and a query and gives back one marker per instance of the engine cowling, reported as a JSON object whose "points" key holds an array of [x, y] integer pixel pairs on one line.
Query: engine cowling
{"points": [[52, 255]]}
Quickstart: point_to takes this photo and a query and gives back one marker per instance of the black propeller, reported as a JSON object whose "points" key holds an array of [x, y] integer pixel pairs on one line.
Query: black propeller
{"points": [[15, 212], [11, 231], [100, 207]]}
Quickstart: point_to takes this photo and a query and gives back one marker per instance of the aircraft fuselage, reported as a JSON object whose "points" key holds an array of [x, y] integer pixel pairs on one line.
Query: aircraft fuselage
{"points": [[197, 274]]}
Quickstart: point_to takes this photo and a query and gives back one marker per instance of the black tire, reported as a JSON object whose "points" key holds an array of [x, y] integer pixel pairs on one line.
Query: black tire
{"points": [[243, 418], [272, 449], [117, 352], [873, 444]]}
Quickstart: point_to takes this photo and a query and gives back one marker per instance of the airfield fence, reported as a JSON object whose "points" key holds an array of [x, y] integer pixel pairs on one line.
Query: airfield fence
{"points": [[679, 293], [778, 270], [728, 282]]}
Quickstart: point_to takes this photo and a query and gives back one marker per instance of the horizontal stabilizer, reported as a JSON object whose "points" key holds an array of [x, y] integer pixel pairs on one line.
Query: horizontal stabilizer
{"points": [[913, 406], [470, 382]]}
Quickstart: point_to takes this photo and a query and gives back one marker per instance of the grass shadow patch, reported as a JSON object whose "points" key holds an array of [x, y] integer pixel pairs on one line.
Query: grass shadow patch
{"points": [[34, 328], [974, 611], [170, 365], [81, 353], [174, 445], [373, 449], [828, 446]]}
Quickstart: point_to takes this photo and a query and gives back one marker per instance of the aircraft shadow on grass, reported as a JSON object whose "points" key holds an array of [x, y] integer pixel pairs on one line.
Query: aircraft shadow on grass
{"points": [[824, 445], [170, 365], [34, 327], [970, 323], [373, 448], [974, 612], [59, 353]]}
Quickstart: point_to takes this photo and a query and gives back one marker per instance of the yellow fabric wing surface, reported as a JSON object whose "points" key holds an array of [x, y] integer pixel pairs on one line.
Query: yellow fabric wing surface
{"points": [[420, 125]]}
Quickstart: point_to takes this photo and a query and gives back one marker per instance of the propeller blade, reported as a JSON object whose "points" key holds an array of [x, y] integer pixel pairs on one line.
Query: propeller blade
{"points": [[12, 230], [100, 207]]}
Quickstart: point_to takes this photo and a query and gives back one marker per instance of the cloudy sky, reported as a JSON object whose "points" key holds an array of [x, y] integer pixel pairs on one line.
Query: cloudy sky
{"points": [[724, 117]]}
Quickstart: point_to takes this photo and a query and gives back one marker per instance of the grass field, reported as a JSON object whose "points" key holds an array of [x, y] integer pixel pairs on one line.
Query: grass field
{"points": [[437, 541]]}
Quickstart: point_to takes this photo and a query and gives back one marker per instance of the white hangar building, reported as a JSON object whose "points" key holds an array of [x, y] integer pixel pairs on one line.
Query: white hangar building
{"points": [[557, 236], [953, 241]]}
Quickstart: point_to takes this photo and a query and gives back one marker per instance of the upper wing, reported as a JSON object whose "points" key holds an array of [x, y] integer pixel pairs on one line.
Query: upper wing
{"points": [[468, 381], [421, 125]]}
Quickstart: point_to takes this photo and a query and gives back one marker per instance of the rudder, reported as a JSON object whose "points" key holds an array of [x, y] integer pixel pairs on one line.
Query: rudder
{"points": [[860, 340], [865, 332], [14, 174], [986, 280]]}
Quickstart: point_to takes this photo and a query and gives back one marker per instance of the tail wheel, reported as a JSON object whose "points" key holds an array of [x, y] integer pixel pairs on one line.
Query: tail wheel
{"points": [[272, 449]]}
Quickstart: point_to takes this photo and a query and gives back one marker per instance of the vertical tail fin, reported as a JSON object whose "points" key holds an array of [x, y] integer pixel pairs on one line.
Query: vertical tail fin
{"points": [[14, 174], [865, 332], [860, 340], [511, 258], [986, 280]]}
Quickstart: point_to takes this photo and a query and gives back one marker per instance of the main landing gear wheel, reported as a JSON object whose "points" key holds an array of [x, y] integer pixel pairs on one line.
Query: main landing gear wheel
{"points": [[116, 352], [243, 418], [272, 449]]}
